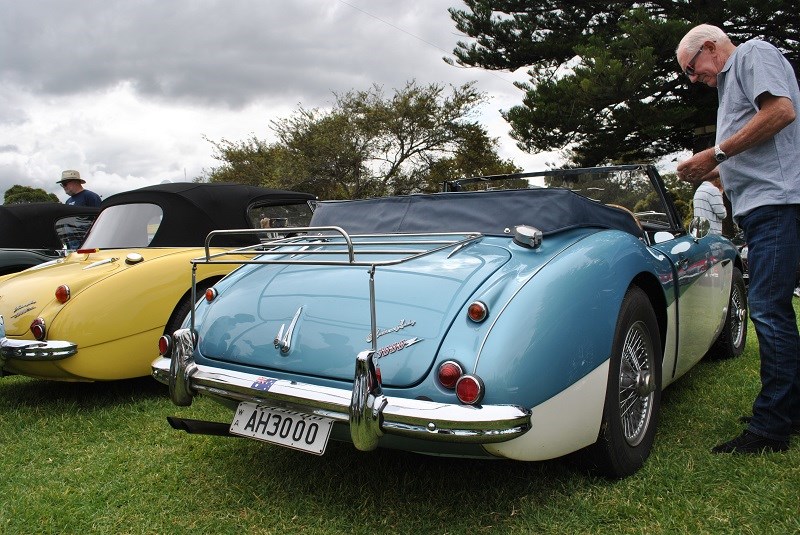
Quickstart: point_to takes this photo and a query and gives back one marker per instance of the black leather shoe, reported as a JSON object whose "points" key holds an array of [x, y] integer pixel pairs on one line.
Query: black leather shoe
{"points": [[750, 443], [795, 430]]}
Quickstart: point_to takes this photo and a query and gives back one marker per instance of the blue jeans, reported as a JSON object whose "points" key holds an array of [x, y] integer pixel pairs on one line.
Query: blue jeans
{"points": [[773, 242]]}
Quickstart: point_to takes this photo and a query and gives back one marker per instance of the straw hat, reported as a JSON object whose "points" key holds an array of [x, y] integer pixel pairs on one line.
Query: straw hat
{"points": [[71, 174]]}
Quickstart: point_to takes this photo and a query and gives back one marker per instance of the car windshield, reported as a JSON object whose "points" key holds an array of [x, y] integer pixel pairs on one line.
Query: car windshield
{"points": [[71, 230], [630, 189], [124, 226]]}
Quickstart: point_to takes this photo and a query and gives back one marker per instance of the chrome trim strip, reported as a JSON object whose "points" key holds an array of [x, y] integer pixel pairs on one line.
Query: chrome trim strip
{"points": [[365, 408], [101, 262]]}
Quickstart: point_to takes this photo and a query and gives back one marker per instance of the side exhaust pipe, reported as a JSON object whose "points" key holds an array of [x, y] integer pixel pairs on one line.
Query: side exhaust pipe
{"points": [[200, 427]]}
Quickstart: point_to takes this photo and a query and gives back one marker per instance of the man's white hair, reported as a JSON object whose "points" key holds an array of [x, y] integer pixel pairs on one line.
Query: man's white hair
{"points": [[698, 35]]}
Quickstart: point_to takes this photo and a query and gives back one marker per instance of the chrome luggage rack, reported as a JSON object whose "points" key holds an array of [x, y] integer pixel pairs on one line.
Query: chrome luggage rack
{"points": [[329, 241], [314, 241]]}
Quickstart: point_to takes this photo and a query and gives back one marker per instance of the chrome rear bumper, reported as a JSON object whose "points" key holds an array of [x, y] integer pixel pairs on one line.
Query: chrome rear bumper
{"points": [[368, 411], [33, 350]]}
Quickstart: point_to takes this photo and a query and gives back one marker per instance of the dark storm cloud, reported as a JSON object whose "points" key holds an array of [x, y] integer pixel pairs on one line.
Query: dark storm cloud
{"points": [[131, 91], [219, 53]]}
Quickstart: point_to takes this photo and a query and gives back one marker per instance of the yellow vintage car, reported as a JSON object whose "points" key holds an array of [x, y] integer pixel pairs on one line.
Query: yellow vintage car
{"points": [[97, 314]]}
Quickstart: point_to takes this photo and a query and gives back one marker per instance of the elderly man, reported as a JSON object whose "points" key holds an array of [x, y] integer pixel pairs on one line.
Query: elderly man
{"points": [[758, 154], [72, 183]]}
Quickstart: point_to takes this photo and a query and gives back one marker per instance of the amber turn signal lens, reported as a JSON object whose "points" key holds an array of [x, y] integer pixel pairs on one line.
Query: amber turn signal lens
{"points": [[211, 294], [63, 294], [477, 311]]}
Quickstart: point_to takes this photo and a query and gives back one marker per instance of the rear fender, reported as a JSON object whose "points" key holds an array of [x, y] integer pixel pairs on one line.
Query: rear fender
{"points": [[556, 325]]}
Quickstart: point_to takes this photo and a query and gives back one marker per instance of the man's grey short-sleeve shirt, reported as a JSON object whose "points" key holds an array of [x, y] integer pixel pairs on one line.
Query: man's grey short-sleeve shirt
{"points": [[769, 173]]}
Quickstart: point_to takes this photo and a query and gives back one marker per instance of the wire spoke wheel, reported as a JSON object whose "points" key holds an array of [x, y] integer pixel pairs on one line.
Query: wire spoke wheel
{"points": [[636, 384], [738, 312], [731, 341]]}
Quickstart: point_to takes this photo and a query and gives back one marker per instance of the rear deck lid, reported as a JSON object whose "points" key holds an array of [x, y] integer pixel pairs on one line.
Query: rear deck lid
{"points": [[314, 319]]}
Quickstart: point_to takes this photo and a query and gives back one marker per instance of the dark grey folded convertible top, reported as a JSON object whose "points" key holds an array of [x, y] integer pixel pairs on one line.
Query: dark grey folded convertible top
{"points": [[488, 212]]}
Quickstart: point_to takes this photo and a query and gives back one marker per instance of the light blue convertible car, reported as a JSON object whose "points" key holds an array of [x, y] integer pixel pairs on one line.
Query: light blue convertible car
{"points": [[523, 323]]}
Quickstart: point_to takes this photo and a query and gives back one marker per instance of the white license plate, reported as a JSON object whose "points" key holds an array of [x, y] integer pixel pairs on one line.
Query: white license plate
{"points": [[286, 428]]}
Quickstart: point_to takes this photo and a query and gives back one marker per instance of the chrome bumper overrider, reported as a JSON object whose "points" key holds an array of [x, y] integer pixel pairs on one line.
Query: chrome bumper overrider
{"points": [[369, 413]]}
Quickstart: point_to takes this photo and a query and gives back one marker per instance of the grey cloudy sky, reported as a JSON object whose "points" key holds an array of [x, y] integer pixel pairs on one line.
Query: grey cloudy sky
{"points": [[125, 91]]}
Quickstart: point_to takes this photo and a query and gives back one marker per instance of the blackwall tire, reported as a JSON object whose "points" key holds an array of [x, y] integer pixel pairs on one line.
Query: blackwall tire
{"points": [[633, 393]]}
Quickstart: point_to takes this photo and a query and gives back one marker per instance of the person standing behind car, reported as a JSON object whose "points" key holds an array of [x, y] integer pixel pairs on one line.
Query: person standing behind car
{"points": [[758, 154], [708, 201], [72, 183]]}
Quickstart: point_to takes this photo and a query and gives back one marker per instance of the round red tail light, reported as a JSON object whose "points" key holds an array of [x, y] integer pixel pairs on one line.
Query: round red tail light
{"points": [[63, 294], [38, 329], [469, 389], [211, 294], [164, 344], [477, 311], [449, 372]]}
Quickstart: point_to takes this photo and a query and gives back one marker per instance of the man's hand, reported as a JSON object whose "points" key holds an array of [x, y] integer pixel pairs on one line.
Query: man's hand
{"points": [[695, 169]]}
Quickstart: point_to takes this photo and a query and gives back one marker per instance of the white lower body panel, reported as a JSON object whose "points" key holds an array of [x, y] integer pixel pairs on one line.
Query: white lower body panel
{"points": [[565, 423]]}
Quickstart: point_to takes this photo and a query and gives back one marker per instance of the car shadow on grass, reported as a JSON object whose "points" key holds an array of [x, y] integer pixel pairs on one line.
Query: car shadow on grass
{"points": [[393, 483], [20, 392]]}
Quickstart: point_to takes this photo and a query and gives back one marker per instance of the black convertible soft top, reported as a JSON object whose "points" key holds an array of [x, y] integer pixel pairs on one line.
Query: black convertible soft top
{"points": [[33, 225], [191, 210], [488, 212]]}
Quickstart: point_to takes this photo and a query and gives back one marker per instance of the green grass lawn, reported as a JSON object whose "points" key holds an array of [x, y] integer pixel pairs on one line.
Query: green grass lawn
{"points": [[100, 458]]}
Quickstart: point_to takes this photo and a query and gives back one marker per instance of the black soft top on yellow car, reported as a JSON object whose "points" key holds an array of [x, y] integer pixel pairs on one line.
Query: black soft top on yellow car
{"points": [[33, 225], [192, 210]]}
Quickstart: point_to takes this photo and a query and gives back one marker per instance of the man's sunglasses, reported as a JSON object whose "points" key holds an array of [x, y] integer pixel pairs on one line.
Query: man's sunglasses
{"points": [[689, 70]]}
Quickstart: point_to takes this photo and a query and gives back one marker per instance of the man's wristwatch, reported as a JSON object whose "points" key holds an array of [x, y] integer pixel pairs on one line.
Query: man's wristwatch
{"points": [[719, 155]]}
